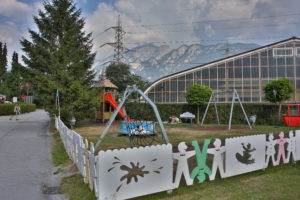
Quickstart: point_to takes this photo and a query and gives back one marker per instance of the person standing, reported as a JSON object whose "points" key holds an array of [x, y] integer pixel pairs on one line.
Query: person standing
{"points": [[17, 111]]}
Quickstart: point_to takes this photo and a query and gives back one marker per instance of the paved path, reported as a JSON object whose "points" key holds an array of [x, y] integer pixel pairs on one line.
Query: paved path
{"points": [[25, 162]]}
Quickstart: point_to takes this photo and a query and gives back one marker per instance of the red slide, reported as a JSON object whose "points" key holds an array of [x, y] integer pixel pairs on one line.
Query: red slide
{"points": [[109, 98]]}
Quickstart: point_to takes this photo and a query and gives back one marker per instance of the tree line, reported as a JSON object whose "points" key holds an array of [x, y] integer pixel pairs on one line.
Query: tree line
{"points": [[59, 56]]}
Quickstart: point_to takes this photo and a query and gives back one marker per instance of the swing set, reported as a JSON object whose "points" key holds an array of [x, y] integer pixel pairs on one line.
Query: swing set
{"points": [[213, 100], [140, 132]]}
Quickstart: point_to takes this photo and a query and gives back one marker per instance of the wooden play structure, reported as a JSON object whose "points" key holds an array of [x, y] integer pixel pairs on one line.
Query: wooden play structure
{"points": [[107, 96]]}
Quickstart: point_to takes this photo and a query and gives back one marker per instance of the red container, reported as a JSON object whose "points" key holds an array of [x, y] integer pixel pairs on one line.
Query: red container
{"points": [[292, 118]]}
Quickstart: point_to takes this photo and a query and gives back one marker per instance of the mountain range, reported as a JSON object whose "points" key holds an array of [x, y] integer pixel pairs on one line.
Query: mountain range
{"points": [[152, 62]]}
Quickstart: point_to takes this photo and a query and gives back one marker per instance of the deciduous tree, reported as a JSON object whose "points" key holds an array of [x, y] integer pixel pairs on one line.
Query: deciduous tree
{"points": [[120, 75], [278, 91], [198, 95]]}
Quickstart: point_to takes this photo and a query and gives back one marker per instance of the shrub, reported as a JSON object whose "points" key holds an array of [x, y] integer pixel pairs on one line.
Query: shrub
{"points": [[8, 109], [266, 113]]}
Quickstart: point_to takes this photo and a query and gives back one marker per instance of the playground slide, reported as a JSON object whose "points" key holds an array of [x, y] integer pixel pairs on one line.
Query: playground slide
{"points": [[109, 98]]}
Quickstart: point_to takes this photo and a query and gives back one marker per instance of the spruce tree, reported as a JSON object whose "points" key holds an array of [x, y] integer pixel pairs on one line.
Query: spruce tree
{"points": [[1, 68], [59, 57], [15, 76], [3, 60], [11, 80], [15, 63]]}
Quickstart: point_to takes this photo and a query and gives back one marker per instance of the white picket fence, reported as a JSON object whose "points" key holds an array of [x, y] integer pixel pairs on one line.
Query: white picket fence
{"points": [[79, 153], [132, 172]]}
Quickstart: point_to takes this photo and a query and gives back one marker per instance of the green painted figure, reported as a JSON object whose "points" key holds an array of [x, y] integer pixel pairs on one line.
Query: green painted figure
{"points": [[201, 168]]}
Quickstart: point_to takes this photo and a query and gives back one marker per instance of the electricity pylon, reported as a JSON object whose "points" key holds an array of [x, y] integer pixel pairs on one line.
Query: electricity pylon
{"points": [[118, 44]]}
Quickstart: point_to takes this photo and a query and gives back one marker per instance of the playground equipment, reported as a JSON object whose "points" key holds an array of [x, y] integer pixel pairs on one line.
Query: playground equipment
{"points": [[137, 134], [292, 118], [235, 97], [138, 127], [108, 103]]}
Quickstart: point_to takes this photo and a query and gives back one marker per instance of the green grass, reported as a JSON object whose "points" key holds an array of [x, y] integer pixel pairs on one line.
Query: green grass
{"points": [[75, 189], [281, 182], [176, 134], [59, 154], [72, 186]]}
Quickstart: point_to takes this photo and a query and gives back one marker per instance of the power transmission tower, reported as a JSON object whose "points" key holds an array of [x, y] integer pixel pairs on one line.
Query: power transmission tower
{"points": [[118, 45]]}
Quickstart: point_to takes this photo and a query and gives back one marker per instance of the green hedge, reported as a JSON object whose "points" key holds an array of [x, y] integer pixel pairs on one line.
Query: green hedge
{"points": [[8, 109], [267, 114]]}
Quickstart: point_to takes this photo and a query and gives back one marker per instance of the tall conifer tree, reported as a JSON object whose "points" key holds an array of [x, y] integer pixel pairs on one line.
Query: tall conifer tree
{"points": [[59, 57], [15, 63], [3, 60]]}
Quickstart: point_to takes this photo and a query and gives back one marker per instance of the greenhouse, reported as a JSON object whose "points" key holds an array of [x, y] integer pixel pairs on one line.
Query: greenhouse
{"points": [[246, 72]]}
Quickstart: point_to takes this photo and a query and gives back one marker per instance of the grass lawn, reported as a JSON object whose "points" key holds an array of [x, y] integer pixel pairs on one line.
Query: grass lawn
{"points": [[176, 134], [72, 186], [59, 154], [281, 182]]}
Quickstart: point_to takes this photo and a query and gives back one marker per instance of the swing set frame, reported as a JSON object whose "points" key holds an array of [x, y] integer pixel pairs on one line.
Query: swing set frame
{"points": [[129, 90], [235, 97]]}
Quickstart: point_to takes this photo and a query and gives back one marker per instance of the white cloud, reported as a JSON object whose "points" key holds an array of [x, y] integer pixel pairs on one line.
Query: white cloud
{"points": [[175, 21], [171, 21], [10, 35], [19, 19], [15, 9]]}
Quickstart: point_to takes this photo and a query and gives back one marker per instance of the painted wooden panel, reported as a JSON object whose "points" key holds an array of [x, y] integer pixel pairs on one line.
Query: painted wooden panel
{"points": [[132, 172], [291, 147], [297, 144], [270, 150], [245, 154], [218, 159], [182, 167], [281, 142]]}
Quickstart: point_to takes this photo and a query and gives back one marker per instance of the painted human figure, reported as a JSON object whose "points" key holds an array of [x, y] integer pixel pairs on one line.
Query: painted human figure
{"points": [[202, 169], [291, 148], [218, 153], [182, 168], [281, 150], [270, 152]]}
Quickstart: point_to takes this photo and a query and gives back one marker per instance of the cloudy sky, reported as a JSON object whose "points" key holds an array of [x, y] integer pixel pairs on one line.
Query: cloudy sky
{"points": [[171, 22]]}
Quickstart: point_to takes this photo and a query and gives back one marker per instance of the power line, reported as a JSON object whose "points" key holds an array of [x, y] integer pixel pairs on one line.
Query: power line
{"points": [[216, 20], [208, 21], [223, 28], [135, 62], [206, 40]]}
